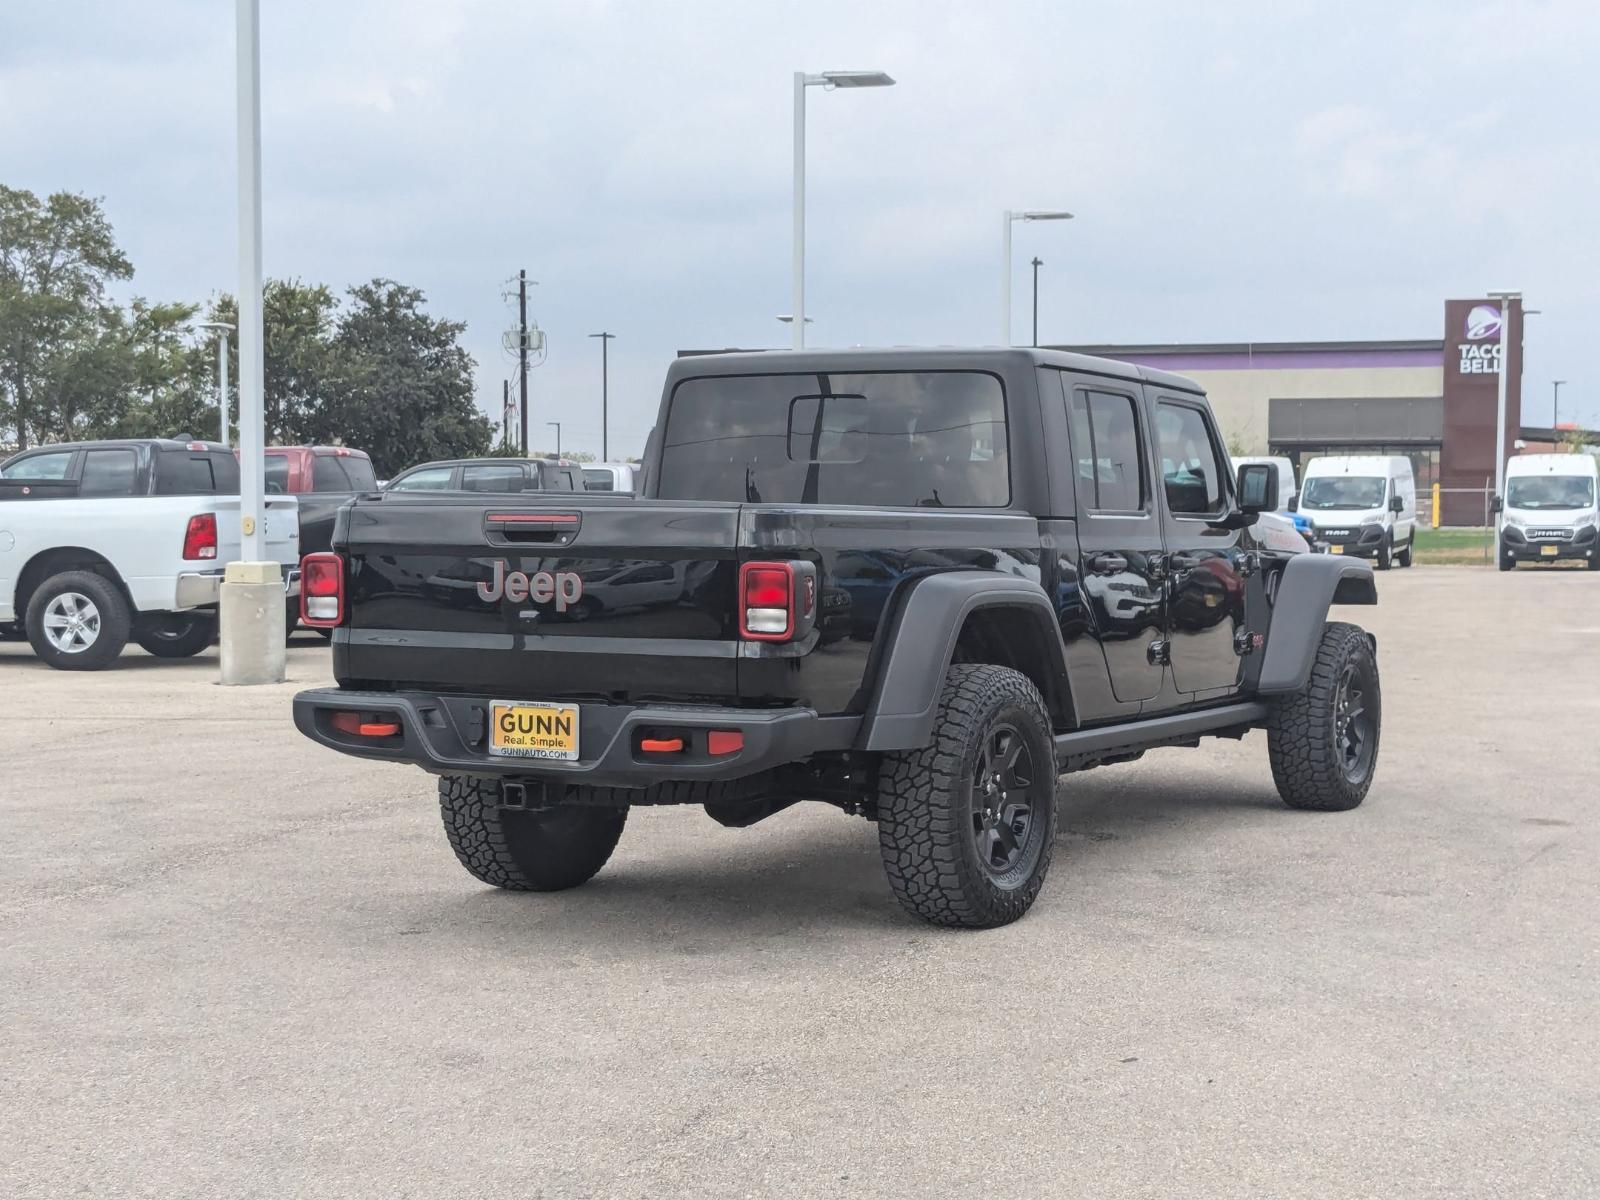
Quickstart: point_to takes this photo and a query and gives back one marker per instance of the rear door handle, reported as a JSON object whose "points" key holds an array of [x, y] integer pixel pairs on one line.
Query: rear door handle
{"points": [[1182, 562], [1107, 564]]}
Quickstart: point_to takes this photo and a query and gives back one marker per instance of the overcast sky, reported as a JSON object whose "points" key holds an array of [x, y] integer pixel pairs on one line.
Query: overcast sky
{"points": [[1248, 171]]}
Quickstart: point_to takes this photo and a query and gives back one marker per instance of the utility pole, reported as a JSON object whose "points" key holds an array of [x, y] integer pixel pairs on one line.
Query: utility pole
{"points": [[522, 350], [1555, 409], [1037, 263], [505, 412], [605, 342], [557, 424]]}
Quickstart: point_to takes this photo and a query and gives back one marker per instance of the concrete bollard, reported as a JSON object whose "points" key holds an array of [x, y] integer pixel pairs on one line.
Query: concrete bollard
{"points": [[253, 648]]}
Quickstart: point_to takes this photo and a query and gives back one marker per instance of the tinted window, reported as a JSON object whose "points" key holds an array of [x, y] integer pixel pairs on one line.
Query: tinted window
{"points": [[362, 477], [187, 473], [434, 479], [327, 474], [598, 480], [1106, 448], [932, 438], [39, 466], [277, 475], [1190, 471], [497, 478], [108, 473]]}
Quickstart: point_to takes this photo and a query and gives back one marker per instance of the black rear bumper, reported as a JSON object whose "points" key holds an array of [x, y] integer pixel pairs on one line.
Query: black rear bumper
{"points": [[448, 735]]}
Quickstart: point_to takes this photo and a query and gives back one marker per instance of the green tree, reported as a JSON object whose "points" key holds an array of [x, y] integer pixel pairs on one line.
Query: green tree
{"points": [[401, 384], [57, 330]]}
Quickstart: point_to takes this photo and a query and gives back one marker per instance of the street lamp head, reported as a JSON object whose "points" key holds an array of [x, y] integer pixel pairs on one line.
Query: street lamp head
{"points": [[856, 79], [1041, 214], [1505, 295], [213, 325], [788, 318]]}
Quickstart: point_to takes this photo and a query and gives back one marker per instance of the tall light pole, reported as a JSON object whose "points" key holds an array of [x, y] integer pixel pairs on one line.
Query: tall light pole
{"points": [[1029, 214], [605, 343], [1506, 299], [557, 424], [828, 79], [252, 456], [1555, 409], [223, 329]]}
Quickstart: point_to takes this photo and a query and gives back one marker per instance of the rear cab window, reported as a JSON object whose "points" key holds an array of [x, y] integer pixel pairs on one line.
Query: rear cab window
{"points": [[885, 439], [495, 477]]}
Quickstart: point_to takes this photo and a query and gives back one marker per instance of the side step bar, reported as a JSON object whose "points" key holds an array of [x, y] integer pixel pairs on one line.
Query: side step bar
{"points": [[1086, 747]]}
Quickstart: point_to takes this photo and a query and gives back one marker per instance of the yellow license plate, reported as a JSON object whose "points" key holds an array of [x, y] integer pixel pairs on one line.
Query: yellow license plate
{"points": [[1549, 551], [533, 730], [1332, 549]]}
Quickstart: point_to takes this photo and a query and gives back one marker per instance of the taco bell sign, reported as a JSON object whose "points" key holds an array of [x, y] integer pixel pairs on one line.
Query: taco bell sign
{"points": [[1479, 348]]}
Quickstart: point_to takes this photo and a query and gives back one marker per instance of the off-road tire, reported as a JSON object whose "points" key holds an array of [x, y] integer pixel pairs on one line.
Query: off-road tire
{"points": [[1302, 729], [1385, 557], [924, 804], [525, 850], [115, 615], [176, 635]]}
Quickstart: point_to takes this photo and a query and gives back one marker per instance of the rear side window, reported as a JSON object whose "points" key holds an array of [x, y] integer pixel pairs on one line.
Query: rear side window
{"points": [[108, 473], [361, 475], [893, 438], [327, 474], [1106, 450], [1191, 472], [40, 466], [187, 473], [596, 479], [496, 478]]}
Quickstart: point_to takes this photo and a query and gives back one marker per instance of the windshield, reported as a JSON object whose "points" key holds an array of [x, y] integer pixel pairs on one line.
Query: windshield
{"points": [[1343, 491], [1550, 491]]}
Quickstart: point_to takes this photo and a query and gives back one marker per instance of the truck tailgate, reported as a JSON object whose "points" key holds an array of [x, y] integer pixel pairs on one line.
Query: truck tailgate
{"points": [[582, 597]]}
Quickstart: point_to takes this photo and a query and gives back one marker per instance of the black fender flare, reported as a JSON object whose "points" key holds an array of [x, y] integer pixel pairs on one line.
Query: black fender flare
{"points": [[1310, 584], [922, 642]]}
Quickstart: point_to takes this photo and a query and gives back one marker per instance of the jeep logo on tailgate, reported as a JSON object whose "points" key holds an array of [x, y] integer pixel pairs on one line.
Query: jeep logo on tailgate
{"points": [[564, 587]]}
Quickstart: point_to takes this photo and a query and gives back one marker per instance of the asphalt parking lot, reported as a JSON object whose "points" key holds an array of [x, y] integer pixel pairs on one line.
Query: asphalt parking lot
{"points": [[235, 964]]}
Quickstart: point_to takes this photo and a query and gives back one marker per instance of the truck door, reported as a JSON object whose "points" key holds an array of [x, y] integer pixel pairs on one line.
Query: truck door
{"points": [[1119, 533], [1206, 630]]}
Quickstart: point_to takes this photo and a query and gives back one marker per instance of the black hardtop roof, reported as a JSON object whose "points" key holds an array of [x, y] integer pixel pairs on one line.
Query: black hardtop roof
{"points": [[907, 358], [131, 443]]}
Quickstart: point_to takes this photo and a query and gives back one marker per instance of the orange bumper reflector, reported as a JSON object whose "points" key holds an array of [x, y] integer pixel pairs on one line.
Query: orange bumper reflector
{"points": [[351, 723], [661, 745]]}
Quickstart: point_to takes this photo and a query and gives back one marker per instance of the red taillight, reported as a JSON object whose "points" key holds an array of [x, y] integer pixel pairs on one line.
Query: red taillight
{"points": [[766, 601], [322, 590], [200, 539], [724, 741]]}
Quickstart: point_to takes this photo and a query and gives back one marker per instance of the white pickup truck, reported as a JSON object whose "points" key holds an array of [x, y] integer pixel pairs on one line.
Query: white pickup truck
{"points": [[97, 551]]}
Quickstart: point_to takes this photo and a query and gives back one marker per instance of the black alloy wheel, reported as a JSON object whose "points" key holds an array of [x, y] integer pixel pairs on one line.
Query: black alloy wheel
{"points": [[1001, 805], [1352, 723]]}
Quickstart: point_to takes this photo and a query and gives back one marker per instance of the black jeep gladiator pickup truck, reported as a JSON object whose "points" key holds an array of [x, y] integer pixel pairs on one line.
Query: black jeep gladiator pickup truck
{"points": [[918, 585]]}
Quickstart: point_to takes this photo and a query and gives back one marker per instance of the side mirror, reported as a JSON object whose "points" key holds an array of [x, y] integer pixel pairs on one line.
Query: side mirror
{"points": [[1258, 488], [1294, 502], [1496, 505], [1396, 504]]}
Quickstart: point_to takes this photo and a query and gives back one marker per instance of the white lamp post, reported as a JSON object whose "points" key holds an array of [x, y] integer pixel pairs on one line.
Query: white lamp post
{"points": [[1027, 214], [1505, 298], [224, 329], [828, 79]]}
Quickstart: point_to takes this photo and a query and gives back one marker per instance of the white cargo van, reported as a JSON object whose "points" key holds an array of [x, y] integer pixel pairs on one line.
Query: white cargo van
{"points": [[1550, 509], [1364, 505]]}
